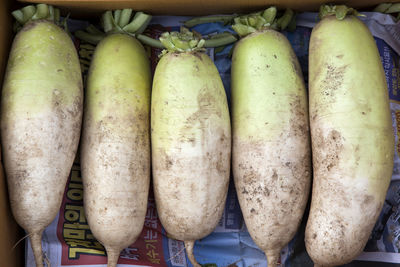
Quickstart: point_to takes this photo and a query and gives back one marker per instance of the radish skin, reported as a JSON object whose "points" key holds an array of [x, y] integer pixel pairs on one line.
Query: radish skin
{"points": [[41, 114], [271, 155], [115, 149], [352, 139], [191, 145]]}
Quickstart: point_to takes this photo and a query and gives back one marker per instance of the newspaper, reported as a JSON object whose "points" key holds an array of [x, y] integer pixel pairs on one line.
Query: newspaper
{"points": [[69, 242]]}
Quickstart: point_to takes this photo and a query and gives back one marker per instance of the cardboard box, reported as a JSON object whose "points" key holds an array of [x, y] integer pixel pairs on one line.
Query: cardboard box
{"points": [[197, 7], [10, 233]]}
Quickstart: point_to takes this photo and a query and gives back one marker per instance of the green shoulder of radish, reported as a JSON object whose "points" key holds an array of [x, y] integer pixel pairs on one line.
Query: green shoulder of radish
{"points": [[352, 137], [191, 140], [271, 153], [41, 112], [115, 146]]}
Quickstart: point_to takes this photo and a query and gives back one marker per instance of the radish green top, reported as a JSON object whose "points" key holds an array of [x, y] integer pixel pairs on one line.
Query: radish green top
{"points": [[120, 21], [247, 24], [183, 41], [38, 12], [192, 41], [340, 11]]}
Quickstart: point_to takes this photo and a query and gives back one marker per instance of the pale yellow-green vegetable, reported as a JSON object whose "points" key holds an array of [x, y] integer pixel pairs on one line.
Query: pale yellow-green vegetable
{"points": [[115, 148], [271, 155], [41, 111], [191, 145], [352, 139]]}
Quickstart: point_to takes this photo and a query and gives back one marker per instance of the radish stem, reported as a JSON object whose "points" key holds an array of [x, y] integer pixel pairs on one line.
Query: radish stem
{"points": [[394, 8], [107, 21], [141, 19], [93, 30], [382, 7], [220, 40], [149, 41], [42, 11], [28, 12], [19, 16], [209, 19], [117, 15], [125, 17], [88, 37]]}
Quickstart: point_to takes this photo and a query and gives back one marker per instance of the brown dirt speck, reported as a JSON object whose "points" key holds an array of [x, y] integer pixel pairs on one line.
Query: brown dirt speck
{"points": [[368, 200], [168, 163], [333, 79], [274, 175], [299, 119], [327, 150], [206, 108], [198, 55]]}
